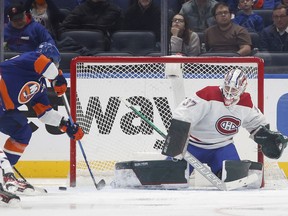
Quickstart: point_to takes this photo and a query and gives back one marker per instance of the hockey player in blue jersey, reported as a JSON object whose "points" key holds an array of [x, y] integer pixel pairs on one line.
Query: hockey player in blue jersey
{"points": [[23, 80]]}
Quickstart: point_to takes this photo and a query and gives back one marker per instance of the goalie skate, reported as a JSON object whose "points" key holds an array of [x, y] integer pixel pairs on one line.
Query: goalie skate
{"points": [[8, 198], [14, 185]]}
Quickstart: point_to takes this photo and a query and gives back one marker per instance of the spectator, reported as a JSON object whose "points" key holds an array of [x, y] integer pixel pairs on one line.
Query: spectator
{"points": [[46, 13], [247, 18], [198, 13], [233, 5], [22, 33], [225, 35], [274, 37], [183, 40], [143, 15], [284, 2], [94, 14]]}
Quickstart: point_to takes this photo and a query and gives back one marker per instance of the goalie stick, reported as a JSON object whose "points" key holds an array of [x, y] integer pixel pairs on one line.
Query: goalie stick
{"points": [[200, 167], [102, 182]]}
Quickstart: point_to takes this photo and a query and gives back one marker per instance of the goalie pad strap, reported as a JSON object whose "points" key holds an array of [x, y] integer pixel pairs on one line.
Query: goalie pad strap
{"points": [[176, 139]]}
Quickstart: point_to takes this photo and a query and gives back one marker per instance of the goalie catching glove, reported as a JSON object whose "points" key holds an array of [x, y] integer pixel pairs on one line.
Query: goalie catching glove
{"points": [[74, 131], [59, 84], [272, 143]]}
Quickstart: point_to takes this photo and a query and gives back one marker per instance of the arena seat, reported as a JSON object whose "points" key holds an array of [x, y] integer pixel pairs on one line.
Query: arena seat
{"points": [[274, 62], [266, 15], [109, 53], [222, 54], [66, 58], [136, 42], [93, 40], [255, 40]]}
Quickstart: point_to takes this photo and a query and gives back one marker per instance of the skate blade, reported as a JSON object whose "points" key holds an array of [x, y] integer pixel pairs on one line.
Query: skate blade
{"points": [[14, 203], [35, 191]]}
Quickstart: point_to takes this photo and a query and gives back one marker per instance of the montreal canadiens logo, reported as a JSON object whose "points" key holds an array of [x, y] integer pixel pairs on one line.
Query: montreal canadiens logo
{"points": [[28, 91], [228, 125]]}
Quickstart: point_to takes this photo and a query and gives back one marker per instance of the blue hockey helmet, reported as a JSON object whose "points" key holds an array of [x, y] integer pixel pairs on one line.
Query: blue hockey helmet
{"points": [[50, 51]]}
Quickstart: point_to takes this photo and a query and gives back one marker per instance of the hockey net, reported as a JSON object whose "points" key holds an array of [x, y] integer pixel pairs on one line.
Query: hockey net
{"points": [[154, 85]]}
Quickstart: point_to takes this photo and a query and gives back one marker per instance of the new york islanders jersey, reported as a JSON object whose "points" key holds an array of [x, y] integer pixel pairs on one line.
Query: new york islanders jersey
{"points": [[22, 80], [213, 124]]}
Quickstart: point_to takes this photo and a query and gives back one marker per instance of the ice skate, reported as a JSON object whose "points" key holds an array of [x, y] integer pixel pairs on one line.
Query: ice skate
{"points": [[8, 198], [14, 185]]}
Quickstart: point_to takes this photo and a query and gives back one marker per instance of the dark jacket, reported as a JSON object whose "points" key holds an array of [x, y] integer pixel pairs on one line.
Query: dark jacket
{"points": [[270, 40], [148, 20], [89, 15]]}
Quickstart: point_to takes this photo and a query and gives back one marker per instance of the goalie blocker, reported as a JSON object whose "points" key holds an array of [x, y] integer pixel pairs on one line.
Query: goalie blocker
{"points": [[177, 139]]}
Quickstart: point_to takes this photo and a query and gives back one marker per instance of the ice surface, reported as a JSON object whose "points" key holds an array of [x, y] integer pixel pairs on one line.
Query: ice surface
{"points": [[87, 201]]}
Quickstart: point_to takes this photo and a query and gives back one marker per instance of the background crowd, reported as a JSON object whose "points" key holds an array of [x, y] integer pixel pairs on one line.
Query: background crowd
{"points": [[195, 27]]}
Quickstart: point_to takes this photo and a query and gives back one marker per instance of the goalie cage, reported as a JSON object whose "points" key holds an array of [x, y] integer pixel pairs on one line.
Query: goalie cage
{"points": [[155, 85]]}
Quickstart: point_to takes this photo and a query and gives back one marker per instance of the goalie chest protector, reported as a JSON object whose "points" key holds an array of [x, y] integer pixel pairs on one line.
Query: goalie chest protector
{"points": [[149, 174]]}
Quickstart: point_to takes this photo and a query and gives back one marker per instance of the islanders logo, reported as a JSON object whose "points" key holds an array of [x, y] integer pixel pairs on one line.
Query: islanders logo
{"points": [[28, 91]]}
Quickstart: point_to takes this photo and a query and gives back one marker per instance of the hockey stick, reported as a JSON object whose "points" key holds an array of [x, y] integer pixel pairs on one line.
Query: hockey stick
{"points": [[36, 189], [200, 167], [102, 182]]}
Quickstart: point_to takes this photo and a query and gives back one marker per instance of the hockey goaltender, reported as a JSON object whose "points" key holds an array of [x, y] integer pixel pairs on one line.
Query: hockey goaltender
{"points": [[201, 132]]}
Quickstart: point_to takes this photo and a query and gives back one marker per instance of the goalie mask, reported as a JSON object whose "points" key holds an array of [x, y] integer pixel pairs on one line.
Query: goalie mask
{"points": [[235, 83], [51, 52]]}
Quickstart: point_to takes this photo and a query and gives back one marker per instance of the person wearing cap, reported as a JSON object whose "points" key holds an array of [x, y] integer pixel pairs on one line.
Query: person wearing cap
{"points": [[22, 33]]}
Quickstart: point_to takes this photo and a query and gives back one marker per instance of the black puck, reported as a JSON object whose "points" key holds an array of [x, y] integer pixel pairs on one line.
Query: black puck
{"points": [[62, 188]]}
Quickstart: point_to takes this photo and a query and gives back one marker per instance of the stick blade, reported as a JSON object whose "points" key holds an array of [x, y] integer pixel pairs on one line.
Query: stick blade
{"points": [[101, 184]]}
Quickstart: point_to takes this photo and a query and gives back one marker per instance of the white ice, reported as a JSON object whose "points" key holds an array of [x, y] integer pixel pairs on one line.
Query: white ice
{"points": [[87, 201]]}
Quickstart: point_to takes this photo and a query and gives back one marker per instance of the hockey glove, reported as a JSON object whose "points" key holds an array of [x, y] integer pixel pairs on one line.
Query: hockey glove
{"points": [[272, 143], [74, 131], [59, 84]]}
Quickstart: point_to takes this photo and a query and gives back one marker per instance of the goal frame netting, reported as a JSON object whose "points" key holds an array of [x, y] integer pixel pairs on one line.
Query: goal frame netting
{"points": [[143, 60]]}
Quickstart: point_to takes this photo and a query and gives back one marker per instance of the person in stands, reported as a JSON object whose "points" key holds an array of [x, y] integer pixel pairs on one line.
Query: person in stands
{"points": [[275, 36], [143, 15], [46, 13], [247, 18], [94, 15], [226, 36], [183, 40], [22, 33], [198, 13]]}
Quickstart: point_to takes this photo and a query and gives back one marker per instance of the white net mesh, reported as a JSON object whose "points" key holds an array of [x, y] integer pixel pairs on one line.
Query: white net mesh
{"points": [[114, 133]]}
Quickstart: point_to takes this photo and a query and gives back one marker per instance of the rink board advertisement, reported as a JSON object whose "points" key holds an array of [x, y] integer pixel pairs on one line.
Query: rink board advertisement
{"points": [[49, 150]]}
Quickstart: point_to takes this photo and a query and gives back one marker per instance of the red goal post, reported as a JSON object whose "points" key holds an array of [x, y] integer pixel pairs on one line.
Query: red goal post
{"points": [[154, 85]]}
